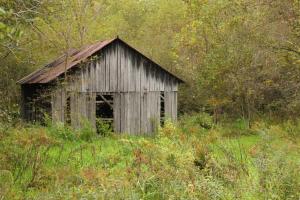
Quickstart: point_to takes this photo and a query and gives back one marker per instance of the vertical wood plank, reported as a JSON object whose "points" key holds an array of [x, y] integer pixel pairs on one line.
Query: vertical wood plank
{"points": [[107, 70], [118, 68], [117, 113], [175, 106]]}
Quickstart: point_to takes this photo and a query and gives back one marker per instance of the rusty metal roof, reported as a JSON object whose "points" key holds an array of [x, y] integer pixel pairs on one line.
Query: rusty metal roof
{"points": [[59, 66]]}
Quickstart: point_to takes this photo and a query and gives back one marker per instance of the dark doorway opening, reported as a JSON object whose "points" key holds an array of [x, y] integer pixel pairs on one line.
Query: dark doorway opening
{"points": [[162, 108], [104, 110]]}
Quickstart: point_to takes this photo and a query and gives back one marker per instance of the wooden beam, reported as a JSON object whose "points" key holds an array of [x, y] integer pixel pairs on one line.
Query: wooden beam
{"points": [[106, 101]]}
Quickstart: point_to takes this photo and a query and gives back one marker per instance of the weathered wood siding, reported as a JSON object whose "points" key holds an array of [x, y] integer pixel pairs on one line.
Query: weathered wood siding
{"points": [[171, 105], [134, 81], [58, 105], [136, 112], [120, 69], [82, 107]]}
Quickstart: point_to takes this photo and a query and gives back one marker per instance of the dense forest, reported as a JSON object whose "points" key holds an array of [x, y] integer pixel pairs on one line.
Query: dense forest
{"points": [[237, 134], [239, 58]]}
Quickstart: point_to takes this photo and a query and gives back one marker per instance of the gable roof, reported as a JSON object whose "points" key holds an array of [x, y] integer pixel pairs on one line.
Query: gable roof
{"points": [[54, 69]]}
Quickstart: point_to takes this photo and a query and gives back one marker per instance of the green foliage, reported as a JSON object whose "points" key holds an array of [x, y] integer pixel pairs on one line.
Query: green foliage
{"points": [[238, 58], [191, 124], [201, 156], [241, 69], [87, 132], [62, 131], [237, 128], [278, 175], [292, 129], [40, 162], [23, 153], [65, 132], [6, 182], [103, 128], [198, 121]]}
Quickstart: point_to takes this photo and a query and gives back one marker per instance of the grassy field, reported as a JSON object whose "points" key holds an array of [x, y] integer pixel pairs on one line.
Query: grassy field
{"points": [[192, 159]]}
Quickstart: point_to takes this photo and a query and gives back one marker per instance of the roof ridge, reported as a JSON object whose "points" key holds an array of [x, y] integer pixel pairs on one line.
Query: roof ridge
{"points": [[54, 69]]}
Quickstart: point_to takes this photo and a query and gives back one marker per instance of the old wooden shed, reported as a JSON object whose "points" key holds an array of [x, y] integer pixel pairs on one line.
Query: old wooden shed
{"points": [[109, 80]]}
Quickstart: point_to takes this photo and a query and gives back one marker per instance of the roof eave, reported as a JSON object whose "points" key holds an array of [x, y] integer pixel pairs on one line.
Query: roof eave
{"points": [[32, 78]]}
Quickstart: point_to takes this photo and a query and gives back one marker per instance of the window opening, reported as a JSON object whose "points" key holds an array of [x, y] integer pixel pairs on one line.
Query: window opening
{"points": [[104, 110]]}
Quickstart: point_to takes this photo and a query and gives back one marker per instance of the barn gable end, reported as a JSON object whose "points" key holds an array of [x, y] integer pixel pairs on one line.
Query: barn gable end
{"points": [[140, 91]]}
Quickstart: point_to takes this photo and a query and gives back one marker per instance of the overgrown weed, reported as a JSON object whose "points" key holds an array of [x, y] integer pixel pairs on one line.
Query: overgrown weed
{"points": [[183, 161]]}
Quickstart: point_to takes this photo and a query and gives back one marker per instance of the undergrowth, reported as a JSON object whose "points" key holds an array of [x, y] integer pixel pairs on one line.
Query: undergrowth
{"points": [[192, 159]]}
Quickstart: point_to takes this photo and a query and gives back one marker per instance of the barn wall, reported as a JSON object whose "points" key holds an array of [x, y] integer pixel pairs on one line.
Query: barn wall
{"points": [[121, 69], [171, 105], [82, 107], [150, 113], [136, 112], [135, 82], [58, 104]]}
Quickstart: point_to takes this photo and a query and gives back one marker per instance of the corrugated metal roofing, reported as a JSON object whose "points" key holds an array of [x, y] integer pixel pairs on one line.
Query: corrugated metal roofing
{"points": [[59, 66]]}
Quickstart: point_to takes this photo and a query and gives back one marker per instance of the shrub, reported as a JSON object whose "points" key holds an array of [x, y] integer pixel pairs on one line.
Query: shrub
{"points": [[24, 152], [10, 114], [201, 156], [87, 132], [5, 129], [292, 129], [204, 120], [197, 123], [172, 165], [60, 130], [168, 130], [103, 128]]}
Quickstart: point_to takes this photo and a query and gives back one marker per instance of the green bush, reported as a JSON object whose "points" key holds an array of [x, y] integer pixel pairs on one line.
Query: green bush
{"points": [[169, 129], [59, 130], [292, 129], [201, 156], [41, 163], [103, 128], [196, 123], [24, 152], [87, 132], [62, 131], [205, 120]]}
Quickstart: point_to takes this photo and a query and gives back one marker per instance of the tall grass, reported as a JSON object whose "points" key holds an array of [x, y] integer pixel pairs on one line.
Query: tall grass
{"points": [[192, 159]]}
